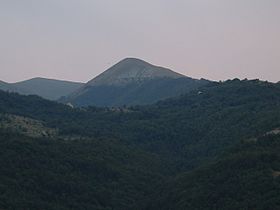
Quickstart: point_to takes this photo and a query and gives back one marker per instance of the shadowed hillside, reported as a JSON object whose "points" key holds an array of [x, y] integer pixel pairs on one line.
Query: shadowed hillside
{"points": [[132, 82], [169, 155]]}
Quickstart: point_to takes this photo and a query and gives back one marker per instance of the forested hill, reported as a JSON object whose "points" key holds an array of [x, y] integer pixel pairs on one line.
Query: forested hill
{"points": [[117, 158], [245, 177], [197, 125]]}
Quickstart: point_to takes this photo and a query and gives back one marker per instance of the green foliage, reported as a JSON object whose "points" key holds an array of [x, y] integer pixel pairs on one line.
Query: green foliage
{"points": [[247, 177], [79, 174], [104, 158]]}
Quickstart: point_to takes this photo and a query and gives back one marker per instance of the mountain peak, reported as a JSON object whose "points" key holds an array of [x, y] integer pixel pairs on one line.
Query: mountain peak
{"points": [[131, 59], [132, 82], [131, 70]]}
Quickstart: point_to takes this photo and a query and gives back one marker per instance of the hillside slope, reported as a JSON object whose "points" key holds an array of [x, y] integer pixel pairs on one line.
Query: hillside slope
{"points": [[5, 86], [131, 70], [47, 88], [102, 158], [245, 177], [132, 82]]}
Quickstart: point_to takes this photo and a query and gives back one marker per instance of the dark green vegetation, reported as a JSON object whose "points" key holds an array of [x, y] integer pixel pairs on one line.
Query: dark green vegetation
{"points": [[204, 150], [80, 174], [132, 82], [47, 88], [246, 177]]}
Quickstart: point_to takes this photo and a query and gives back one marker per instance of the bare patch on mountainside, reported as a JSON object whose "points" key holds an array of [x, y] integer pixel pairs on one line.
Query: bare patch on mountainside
{"points": [[276, 174], [26, 126], [276, 131]]}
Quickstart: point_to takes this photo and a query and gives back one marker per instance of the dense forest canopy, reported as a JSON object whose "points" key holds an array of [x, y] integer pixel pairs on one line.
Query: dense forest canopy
{"points": [[207, 149]]}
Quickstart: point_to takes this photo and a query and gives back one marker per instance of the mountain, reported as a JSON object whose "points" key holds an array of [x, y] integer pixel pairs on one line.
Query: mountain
{"points": [[132, 82], [131, 70], [5, 86], [47, 88], [215, 147]]}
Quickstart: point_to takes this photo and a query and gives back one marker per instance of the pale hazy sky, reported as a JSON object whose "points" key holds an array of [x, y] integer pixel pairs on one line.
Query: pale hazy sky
{"points": [[78, 39]]}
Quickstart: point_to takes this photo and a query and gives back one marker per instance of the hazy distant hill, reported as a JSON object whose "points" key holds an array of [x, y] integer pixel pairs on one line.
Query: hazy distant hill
{"points": [[5, 86], [46, 88], [133, 82]]}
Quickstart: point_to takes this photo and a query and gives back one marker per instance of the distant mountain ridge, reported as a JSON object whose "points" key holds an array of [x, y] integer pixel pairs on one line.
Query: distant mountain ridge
{"points": [[132, 82], [47, 88]]}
